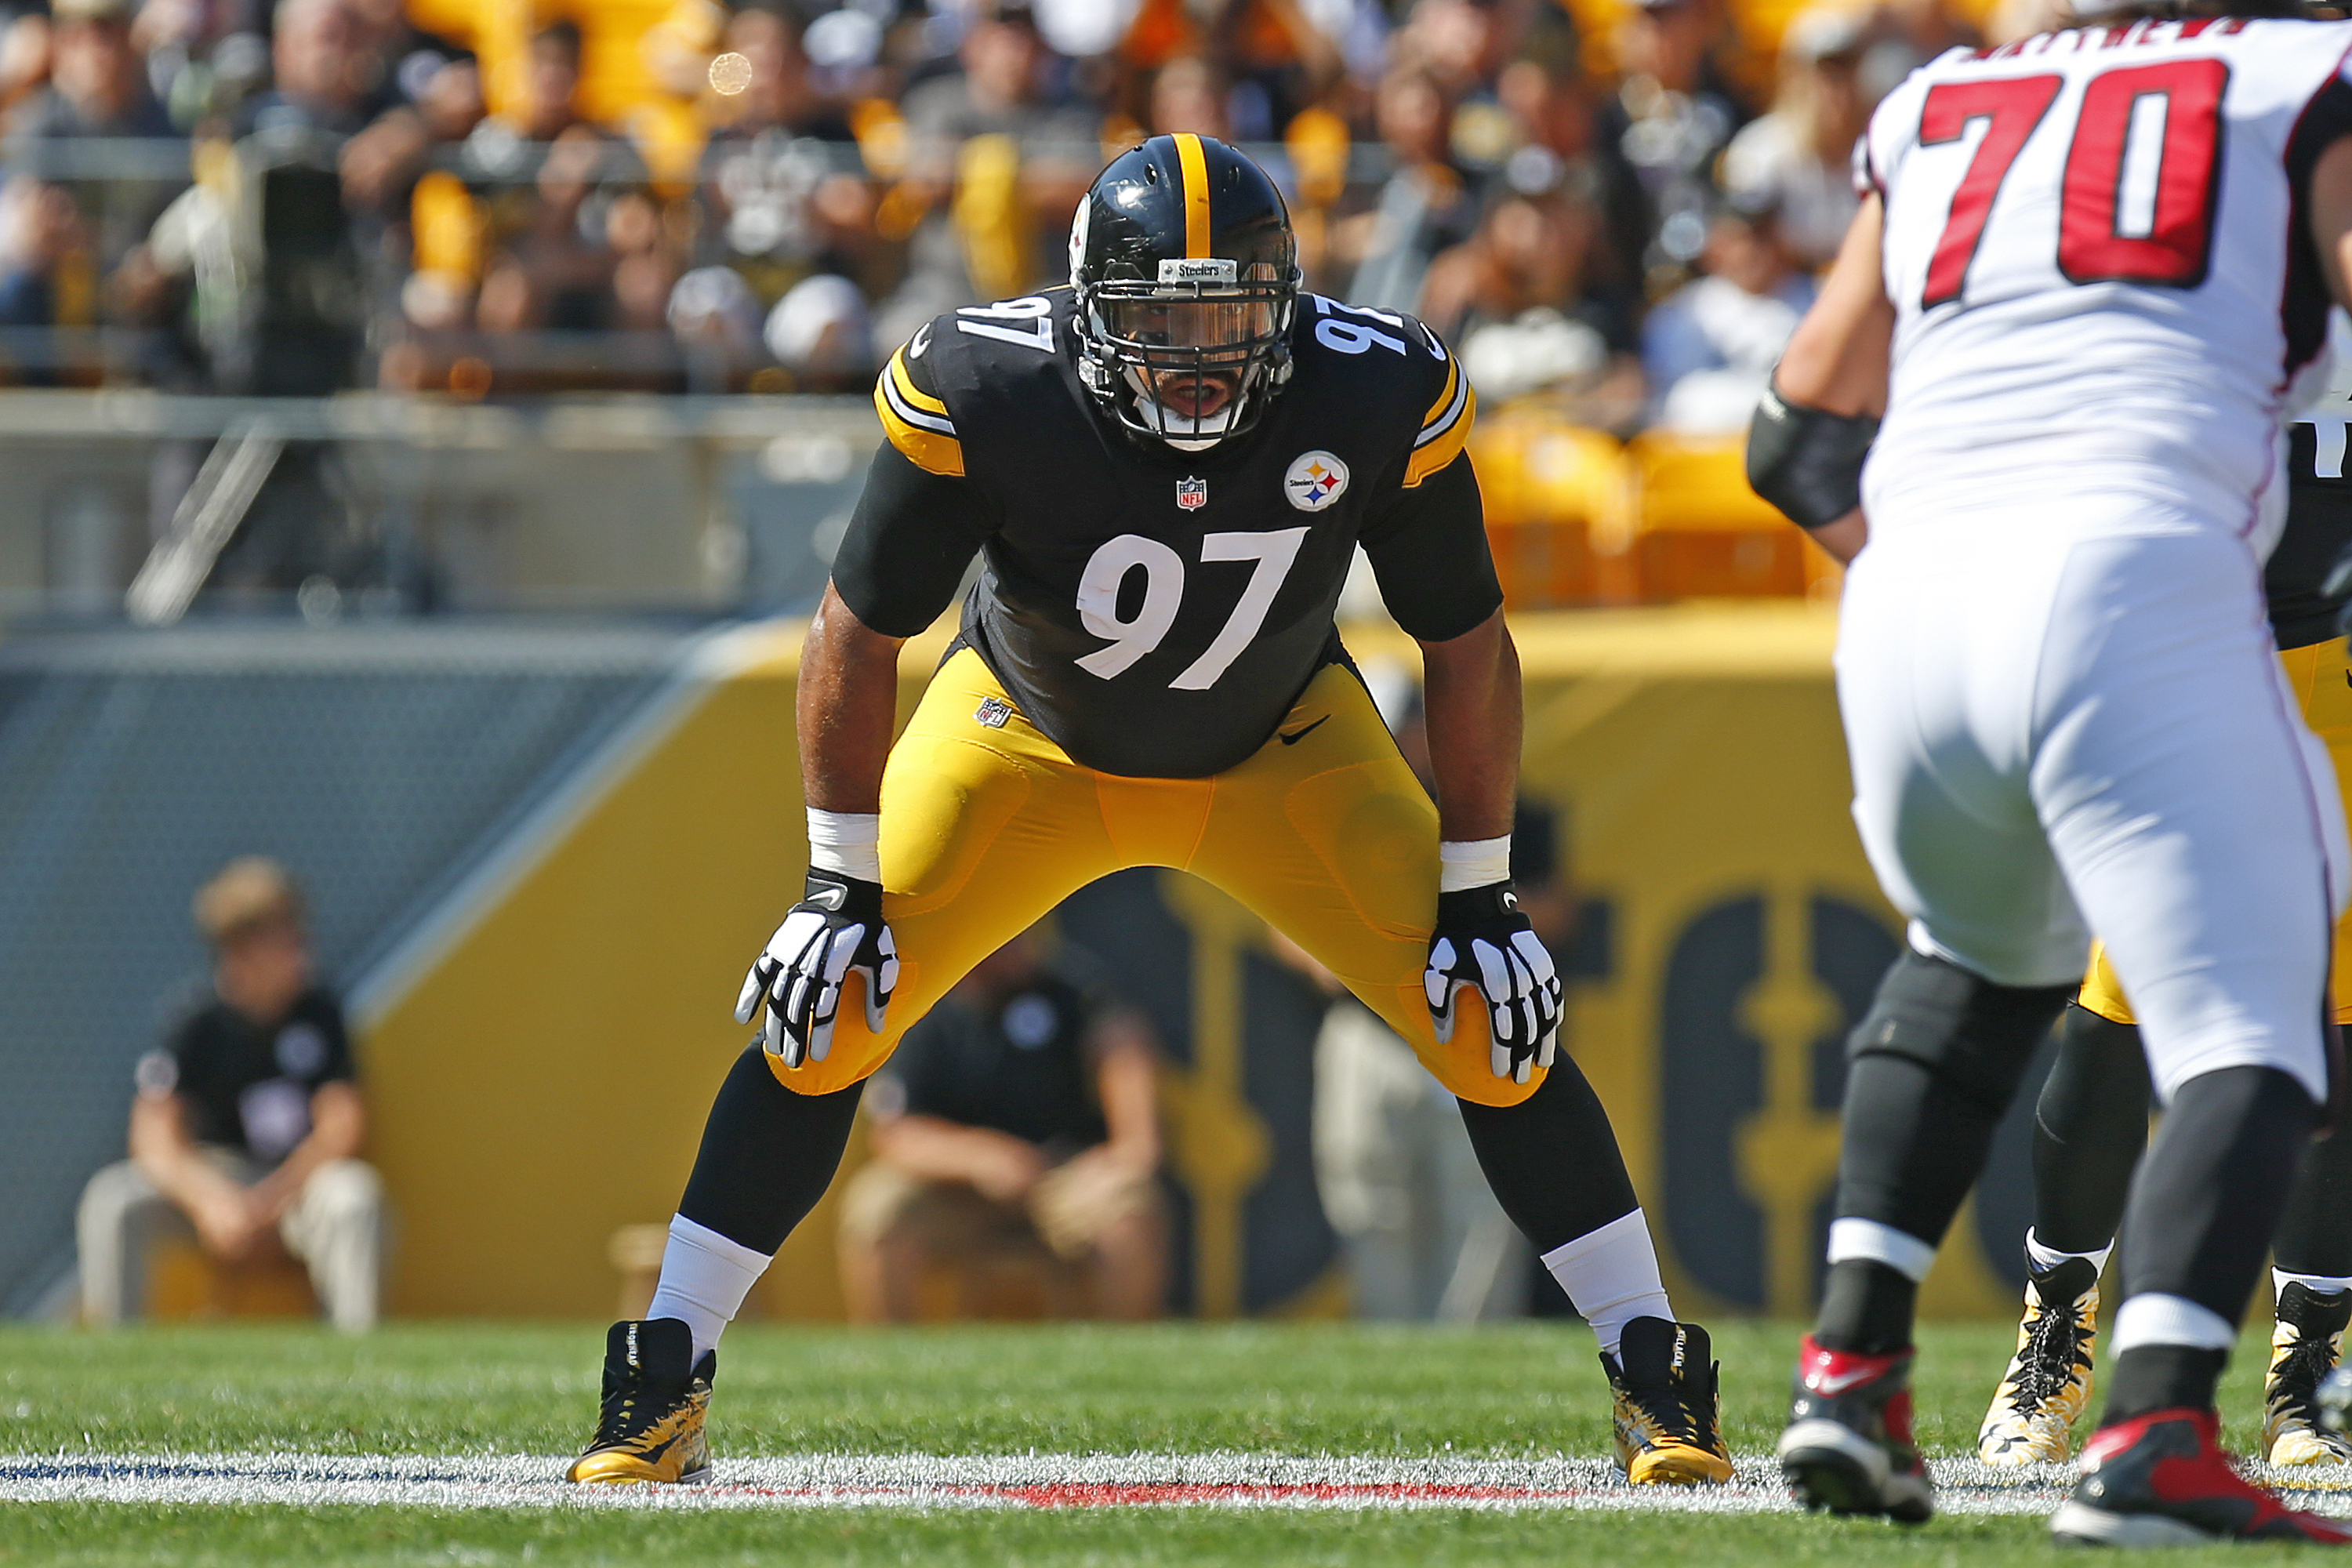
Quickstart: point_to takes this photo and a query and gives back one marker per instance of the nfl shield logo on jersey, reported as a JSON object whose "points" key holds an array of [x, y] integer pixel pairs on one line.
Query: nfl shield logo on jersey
{"points": [[1191, 495], [1316, 479]]}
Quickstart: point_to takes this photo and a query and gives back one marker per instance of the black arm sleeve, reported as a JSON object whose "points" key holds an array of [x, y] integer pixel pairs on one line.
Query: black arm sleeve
{"points": [[1428, 547], [908, 541]]}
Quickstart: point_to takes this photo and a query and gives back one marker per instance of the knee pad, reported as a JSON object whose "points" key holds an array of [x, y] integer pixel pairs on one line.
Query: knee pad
{"points": [[1974, 1038]]}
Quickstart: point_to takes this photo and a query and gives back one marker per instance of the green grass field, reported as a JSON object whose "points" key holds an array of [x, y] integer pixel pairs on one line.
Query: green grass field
{"points": [[1308, 1389]]}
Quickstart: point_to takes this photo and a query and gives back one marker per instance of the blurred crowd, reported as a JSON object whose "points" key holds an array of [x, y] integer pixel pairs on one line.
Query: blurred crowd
{"points": [[1619, 206]]}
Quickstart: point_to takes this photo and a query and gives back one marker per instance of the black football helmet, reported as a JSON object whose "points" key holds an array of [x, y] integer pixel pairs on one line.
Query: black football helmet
{"points": [[1187, 277]]}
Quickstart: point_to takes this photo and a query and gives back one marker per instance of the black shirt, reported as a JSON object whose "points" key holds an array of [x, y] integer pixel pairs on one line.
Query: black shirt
{"points": [[248, 1086], [2319, 533], [1157, 611], [1019, 1066]]}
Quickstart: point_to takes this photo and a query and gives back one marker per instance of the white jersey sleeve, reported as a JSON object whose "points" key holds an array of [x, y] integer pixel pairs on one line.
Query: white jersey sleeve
{"points": [[2095, 244]]}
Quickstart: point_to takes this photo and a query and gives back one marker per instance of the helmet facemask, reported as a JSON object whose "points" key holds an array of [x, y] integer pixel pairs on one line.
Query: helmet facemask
{"points": [[1193, 357]]}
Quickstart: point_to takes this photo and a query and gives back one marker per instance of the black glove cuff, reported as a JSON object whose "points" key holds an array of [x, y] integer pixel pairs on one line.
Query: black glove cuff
{"points": [[851, 898], [1474, 905]]}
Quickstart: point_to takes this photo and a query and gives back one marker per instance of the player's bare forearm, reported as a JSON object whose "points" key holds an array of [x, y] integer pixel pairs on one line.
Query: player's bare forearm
{"points": [[1837, 360], [846, 706], [936, 1150], [2331, 216], [338, 1131], [1126, 1082], [1844, 539], [1471, 698]]}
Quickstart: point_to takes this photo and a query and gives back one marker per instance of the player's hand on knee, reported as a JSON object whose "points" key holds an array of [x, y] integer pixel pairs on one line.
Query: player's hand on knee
{"points": [[1484, 944], [835, 930]]}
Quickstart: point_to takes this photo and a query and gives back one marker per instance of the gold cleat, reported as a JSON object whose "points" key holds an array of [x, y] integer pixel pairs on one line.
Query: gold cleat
{"points": [[2303, 1348], [2048, 1384], [1668, 1413], [651, 1425]]}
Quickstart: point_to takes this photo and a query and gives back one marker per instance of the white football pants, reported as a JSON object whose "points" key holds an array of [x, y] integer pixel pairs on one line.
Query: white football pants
{"points": [[2057, 729]]}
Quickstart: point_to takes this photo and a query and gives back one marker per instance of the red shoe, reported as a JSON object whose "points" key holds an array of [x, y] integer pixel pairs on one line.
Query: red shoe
{"points": [[2161, 1480], [1848, 1445]]}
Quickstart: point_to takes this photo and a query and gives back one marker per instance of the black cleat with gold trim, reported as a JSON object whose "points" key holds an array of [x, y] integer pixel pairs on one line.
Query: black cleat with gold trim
{"points": [[656, 1393]]}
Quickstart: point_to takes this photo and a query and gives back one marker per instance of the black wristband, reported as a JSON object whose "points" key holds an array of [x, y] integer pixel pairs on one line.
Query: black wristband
{"points": [[1495, 900], [1808, 461], [852, 898]]}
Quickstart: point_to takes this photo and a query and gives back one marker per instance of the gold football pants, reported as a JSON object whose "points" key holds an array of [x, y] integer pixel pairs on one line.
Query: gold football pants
{"points": [[2323, 681], [1325, 834]]}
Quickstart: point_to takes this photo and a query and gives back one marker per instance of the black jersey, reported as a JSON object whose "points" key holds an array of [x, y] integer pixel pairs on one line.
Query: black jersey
{"points": [[1154, 611], [2319, 533]]}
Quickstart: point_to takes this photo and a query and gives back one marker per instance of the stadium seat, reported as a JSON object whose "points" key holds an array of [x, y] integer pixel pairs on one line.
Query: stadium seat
{"points": [[1554, 493], [184, 1283], [1699, 532]]}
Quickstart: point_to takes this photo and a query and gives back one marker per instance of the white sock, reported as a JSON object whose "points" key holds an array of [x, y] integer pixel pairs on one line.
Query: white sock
{"points": [[2151, 1318], [704, 1278], [1611, 1276], [2319, 1284], [1872, 1241], [2045, 1259]]}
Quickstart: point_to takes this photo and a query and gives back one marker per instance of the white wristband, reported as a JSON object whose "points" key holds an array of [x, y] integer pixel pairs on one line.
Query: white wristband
{"points": [[1468, 863], [849, 843]]}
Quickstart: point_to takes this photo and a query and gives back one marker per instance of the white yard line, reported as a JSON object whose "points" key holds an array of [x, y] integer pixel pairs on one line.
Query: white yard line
{"points": [[927, 1481]]}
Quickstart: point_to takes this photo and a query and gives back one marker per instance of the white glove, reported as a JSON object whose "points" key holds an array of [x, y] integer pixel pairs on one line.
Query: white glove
{"points": [[835, 930], [1483, 943]]}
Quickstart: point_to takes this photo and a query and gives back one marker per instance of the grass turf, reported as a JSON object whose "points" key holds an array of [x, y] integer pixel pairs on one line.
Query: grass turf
{"points": [[1300, 1389]]}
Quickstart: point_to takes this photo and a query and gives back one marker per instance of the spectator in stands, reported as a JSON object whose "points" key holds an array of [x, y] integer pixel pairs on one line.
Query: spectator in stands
{"points": [[1426, 207], [45, 276], [247, 1124], [98, 82], [1018, 1123], [1798, 158], [988, 138], [582, 246], [1188, 94], [1517, 300], [822, 335], [1662, 130], [782, 195], [1709, 348], [97, 89]]}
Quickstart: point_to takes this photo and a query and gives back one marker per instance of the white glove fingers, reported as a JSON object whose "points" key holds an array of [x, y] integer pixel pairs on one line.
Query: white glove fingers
{"points": [[1499, 1058], [755, 988]]}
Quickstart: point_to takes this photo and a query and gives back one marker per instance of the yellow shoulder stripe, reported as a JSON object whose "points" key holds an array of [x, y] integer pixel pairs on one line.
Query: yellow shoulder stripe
{"points": [[915, 395], [1193, 168], [1445, 403], [1434, 454], [929, 450]]}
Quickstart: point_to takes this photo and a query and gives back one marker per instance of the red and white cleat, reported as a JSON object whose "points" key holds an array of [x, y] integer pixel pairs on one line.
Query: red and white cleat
{"points": [[2161, 1480]]}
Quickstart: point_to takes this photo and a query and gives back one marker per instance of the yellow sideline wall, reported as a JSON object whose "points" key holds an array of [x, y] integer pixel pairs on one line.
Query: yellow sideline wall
{"points": [[542, 1058]]}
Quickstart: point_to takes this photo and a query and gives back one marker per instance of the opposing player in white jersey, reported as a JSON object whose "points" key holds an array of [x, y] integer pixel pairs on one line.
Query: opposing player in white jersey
{"points": [[2086, 268]]}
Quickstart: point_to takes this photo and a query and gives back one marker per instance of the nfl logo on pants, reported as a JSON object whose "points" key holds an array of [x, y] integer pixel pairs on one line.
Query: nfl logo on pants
{"points": [[1191, 495]]}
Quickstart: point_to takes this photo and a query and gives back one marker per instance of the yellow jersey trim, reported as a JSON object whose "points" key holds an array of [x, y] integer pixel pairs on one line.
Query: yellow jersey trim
{"points": [[916, 422], [1440, 438], [1193, 168]]}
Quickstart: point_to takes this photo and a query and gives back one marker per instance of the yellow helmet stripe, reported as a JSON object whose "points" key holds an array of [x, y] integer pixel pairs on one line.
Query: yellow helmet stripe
{"points": [[1193, 168]]}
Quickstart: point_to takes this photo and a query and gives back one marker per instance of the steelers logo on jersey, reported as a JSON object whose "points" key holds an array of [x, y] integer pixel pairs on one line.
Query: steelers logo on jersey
{"points": [[1316, 479]]}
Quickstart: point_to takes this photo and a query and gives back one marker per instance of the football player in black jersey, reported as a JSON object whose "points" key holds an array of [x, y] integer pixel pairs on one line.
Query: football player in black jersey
{"points": [[2091, 1120], [1166, 468]]}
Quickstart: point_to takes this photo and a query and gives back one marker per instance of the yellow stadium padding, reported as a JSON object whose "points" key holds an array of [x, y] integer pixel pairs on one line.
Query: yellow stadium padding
{"points": [[1700, 530], [1554, 492]]}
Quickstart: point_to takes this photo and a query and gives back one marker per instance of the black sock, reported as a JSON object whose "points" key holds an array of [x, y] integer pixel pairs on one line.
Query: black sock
{"points": [[2314, 1235], [2208, 1196], [1552, 1159], [1867, 1308], [767, 1155], [1934, 1065], [2089, 1127], [2162, 1377]]}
